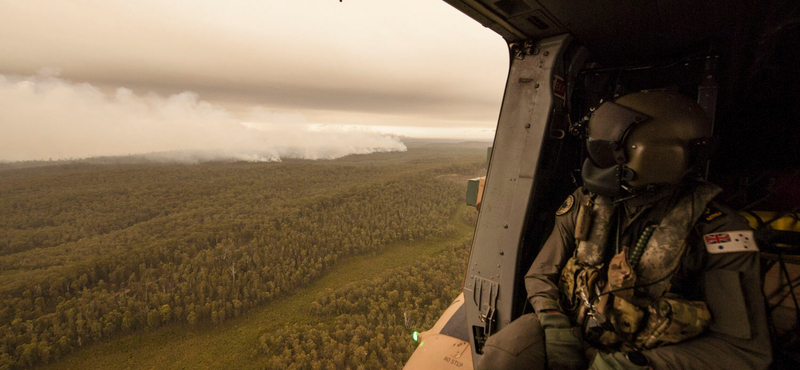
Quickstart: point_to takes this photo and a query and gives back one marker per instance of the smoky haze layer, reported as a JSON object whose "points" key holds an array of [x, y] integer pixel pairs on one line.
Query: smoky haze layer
{"points": [[419, 59], [46, 117]]}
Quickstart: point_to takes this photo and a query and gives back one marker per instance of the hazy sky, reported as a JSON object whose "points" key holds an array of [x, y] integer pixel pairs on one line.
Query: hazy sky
{"points": [[303, 63]]}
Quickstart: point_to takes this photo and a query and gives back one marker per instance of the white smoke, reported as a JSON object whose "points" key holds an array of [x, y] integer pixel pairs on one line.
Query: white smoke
{"points": [[45, 117]]}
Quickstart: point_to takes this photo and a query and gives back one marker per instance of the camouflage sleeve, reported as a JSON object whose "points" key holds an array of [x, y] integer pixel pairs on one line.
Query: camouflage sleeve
{"points": [[541, 281], [738, 337]]}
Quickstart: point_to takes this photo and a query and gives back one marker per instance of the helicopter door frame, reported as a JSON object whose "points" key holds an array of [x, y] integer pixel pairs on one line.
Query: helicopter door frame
{"points": [[522, 128]]}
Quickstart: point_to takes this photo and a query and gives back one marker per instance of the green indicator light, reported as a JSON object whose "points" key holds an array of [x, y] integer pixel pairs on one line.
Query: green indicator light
{"points": [[416, 336]]}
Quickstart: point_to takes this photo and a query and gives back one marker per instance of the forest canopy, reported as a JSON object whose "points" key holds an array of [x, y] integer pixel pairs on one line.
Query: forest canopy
{"points": [[89, 251]]}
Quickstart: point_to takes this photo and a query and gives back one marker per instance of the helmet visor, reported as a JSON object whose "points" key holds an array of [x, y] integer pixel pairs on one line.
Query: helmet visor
{"points": [[601, 152]]}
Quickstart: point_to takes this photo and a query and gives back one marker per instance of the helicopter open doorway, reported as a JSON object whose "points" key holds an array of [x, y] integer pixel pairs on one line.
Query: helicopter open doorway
{"points": [[737, 59]]}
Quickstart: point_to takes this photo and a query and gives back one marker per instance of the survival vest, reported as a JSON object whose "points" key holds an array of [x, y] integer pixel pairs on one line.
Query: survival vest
{"points": [[625, 303]]}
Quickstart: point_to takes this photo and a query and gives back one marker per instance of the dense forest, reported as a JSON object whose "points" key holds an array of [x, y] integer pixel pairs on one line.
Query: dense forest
{"points": [[368, 325], [89, 251]]}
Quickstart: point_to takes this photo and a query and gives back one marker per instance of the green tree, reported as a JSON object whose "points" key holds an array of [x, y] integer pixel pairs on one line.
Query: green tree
{"points": [[153, 318]]}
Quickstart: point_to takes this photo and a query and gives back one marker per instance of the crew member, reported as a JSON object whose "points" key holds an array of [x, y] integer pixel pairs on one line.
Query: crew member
{"points": [[643, 269]]}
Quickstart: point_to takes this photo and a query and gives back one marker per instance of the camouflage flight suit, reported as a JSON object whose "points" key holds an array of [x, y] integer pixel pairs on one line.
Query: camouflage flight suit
{"points": [[728, 283]]}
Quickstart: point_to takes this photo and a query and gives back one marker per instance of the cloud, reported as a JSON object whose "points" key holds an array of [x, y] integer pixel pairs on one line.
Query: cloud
{"points": [[47, 117], [409, 58]]}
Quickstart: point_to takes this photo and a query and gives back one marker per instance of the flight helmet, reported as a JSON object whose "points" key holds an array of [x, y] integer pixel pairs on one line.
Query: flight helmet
{"points": [[643, 140]]}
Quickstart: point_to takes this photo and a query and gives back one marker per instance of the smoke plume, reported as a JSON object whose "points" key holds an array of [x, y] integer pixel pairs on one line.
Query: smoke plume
{"points": [[45, 117]]}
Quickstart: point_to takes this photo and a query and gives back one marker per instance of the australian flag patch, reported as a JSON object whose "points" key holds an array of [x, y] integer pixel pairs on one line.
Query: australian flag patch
{"points": [[731, 241]]}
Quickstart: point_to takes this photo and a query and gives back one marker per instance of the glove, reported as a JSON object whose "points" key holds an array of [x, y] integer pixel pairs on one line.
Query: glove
{"points": [[613, 361], [563, 343]]}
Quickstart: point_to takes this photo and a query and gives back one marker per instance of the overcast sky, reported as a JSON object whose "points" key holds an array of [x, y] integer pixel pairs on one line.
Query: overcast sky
{"points": [[307, 62]]}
